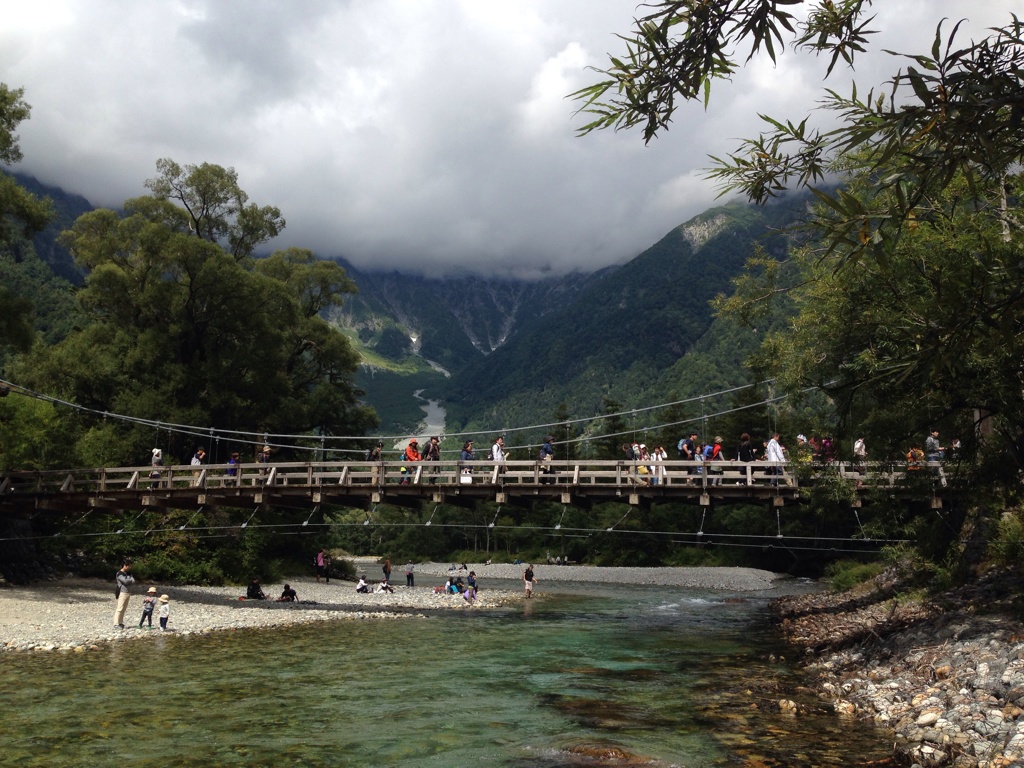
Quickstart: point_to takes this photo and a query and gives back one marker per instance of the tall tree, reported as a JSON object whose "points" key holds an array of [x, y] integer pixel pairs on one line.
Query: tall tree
{"points": [[180, 329], [217, 209], [22, 215], [927, 199]]}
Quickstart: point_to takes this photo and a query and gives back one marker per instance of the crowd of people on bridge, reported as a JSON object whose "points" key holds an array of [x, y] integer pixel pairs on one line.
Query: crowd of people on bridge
{"points": [[649, 461]]}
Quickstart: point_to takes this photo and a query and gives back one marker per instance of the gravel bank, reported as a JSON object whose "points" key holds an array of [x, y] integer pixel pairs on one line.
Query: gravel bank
{"points": [[728, 579], [77, 614], [945, 674]]}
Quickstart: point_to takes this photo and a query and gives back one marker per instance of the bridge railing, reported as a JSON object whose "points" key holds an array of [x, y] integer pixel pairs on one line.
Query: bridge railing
{"points": [[579, 473]]}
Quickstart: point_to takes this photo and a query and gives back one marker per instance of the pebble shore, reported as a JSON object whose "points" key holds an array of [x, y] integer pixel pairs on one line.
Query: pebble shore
{"points": [[75, 614], [948, 681]]}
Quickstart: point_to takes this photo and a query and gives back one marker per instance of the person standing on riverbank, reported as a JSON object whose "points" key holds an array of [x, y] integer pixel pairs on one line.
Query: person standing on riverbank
{"points": [[124, 580], [387, 570], [320, 561], [528, 580], [148, 604], [165, 612], [409, 578]]}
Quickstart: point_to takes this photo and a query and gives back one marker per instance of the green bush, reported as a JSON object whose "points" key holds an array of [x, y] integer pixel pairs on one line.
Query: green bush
{"points": [[1007, 546], [162, 567], [846, 574]]}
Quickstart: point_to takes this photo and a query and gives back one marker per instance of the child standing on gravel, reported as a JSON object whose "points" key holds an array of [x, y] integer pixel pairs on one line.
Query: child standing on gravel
{"points": [[165, 611], [148, 604]]}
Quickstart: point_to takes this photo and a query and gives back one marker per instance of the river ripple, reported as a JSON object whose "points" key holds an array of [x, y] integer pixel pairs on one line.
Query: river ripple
{"points": [[589, 675]]}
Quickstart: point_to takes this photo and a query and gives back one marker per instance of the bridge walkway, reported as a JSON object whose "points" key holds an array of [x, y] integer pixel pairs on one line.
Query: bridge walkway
{"points": [[364, 484]]}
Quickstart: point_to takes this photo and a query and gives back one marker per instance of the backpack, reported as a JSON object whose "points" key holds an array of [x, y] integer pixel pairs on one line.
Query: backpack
{"points": [[369, 454], [680, 444]]}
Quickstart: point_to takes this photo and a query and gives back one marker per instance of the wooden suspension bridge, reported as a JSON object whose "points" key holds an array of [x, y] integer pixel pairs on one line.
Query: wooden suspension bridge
{"points": [[363, 484]]}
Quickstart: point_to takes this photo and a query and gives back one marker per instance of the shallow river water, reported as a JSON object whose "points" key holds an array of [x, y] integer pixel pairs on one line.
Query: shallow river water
{"points": [[590, 675]]}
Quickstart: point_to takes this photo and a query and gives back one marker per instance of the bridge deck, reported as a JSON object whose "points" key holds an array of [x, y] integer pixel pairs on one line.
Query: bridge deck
{"points": [[361, 483]]}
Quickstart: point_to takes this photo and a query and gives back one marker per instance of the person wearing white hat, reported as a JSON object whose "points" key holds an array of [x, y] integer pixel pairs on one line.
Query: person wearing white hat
{"points": [[156, 462], [165, 611]]}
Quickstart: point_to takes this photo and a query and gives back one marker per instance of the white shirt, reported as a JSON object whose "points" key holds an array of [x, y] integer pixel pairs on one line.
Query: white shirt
{"points": [[774, 451], [497, 452]]}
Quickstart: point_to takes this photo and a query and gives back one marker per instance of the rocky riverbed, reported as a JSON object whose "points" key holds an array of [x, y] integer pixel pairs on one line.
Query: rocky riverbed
{"points": [[946, 673], [74, 614]]}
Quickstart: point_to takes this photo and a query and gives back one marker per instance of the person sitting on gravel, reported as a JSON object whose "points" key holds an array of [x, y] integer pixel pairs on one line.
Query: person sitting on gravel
{"points": [[289, 595], [363, 585], [255, 591], [384, 587]]}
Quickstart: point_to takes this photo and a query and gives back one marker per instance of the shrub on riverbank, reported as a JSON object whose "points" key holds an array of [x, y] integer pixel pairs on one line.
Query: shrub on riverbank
{"points": [[846, 574]]}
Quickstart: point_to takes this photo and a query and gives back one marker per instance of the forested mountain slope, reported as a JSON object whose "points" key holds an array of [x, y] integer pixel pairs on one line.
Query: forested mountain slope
{"points": [[624, 337], [452, 321]]}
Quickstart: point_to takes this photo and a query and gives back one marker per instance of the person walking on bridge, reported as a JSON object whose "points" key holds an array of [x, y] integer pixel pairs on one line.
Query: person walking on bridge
{"points": [[198, 459], [432, 454], [498, 454], [933, 449], [773, 453], [545, 456], [412, 454]]}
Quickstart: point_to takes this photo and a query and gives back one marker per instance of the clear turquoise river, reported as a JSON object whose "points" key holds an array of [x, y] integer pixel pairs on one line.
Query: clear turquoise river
{"points": [[587, 675]]}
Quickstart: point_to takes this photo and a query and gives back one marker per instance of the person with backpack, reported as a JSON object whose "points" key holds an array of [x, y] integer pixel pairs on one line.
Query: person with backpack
{"points": [[689, 452], [375, 455], [498, 454], [712, 453], [412, 454], [432, 453], [545, 457]]}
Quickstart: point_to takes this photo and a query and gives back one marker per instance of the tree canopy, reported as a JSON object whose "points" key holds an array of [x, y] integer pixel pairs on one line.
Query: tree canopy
{"points": [[906, 294], [193, 330], [22, 214], [955, 110]]}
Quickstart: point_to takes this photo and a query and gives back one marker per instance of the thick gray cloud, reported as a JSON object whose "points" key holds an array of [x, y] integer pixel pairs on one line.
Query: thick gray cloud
{"points": [[418, 134]]}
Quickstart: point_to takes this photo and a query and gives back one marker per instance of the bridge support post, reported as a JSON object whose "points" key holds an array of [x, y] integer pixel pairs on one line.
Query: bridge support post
{"points": [[705, 500]]}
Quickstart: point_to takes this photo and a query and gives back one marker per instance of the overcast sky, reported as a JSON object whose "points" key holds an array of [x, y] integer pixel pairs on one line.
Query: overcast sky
{"points": [[424, 135]]}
